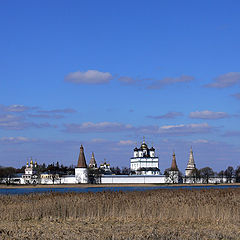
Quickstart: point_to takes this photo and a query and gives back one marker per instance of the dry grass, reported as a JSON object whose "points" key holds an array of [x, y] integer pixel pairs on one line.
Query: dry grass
{"points": [[157, 214]]}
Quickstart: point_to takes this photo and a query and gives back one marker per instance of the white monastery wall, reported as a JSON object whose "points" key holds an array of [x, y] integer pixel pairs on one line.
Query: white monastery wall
{"points": [[132, 179]]}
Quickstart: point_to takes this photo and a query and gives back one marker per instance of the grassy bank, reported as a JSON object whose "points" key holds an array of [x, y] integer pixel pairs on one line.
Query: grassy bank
{"points": [[158, 214]]}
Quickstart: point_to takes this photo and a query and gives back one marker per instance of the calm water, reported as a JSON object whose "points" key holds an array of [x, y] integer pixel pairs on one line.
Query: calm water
{"points": [[100, 189]]}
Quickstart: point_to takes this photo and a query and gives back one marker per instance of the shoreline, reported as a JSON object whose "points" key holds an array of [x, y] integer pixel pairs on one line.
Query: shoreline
{"points": [[109, 185]]}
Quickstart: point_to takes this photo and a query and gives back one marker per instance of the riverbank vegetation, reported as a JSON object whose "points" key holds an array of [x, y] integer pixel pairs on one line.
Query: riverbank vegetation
{"points": [[156, 214]]}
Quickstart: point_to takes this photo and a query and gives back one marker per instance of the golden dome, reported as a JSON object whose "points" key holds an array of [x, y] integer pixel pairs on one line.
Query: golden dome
{"points": [[144, 146]]}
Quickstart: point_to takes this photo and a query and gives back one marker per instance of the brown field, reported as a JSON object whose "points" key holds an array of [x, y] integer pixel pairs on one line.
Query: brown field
{"points": [[157, 214]]}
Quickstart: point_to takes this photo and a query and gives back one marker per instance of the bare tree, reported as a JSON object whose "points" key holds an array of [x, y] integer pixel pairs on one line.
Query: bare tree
{"points": [[171, 176], [229, 173], [237, 174], [221, 175], [94, 175], [206, 173]]}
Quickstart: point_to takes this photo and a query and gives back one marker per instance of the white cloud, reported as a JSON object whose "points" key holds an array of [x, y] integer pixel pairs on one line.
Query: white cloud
{"points": [[206, 114], [184, 129], [89, 77], [225, 80], [17, 108]]}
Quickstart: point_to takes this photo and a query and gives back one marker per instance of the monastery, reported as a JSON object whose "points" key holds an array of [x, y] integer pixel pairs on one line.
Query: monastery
{"points": [[144, 168]]}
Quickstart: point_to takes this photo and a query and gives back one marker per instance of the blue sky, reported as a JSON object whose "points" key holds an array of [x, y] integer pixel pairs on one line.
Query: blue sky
{"points": [[106, 73]]}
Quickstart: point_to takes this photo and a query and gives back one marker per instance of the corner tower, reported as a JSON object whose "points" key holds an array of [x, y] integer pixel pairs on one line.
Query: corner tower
{"points": [[173, 176], [81, 173]]}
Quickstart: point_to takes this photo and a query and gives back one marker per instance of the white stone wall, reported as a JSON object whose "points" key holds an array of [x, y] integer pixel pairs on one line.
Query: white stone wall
{"points": [[132, 179], [81, 175], [210, 180], [68, 180]]}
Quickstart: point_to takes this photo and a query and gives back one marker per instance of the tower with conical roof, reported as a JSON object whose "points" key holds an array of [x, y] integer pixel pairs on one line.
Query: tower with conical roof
{"points": [[174, 166], [191, 166], [93, 163], [81, 173], [173, 175]]}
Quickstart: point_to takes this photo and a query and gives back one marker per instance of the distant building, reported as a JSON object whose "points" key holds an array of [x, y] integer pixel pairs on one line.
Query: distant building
{"points": [[144, 161], [173, 173], [81, 172], [105, 167], [52, 178], [191, 166], [93, 163], [30, 176]]}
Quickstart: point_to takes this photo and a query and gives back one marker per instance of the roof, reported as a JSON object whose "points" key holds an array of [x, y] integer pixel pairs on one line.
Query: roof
{"points": [[174, 166], [92, 161], [81, 159]]}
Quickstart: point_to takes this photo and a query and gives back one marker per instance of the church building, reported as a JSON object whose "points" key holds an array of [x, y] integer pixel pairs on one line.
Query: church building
{"points": [[144, 161]]}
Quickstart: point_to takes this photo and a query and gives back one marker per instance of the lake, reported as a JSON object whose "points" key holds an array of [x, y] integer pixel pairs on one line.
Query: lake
{"points": [[100, 189]]}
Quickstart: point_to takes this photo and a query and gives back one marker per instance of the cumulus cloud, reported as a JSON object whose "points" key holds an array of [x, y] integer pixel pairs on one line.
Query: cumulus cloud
{"points": [[167, 115], [206, 114], [97, 127], [89, 77], [184, 129], [225, 80], [169, 80]]}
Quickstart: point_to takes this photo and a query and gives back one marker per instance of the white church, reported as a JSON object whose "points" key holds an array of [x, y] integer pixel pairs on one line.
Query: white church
{"points": [[144, 161]]}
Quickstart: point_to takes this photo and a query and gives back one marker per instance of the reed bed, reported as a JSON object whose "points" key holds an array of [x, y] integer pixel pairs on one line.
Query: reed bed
{"points": [[171, 210]]}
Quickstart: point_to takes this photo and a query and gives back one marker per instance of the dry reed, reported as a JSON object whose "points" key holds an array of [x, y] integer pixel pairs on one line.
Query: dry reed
{"points": [[213, 206]]}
